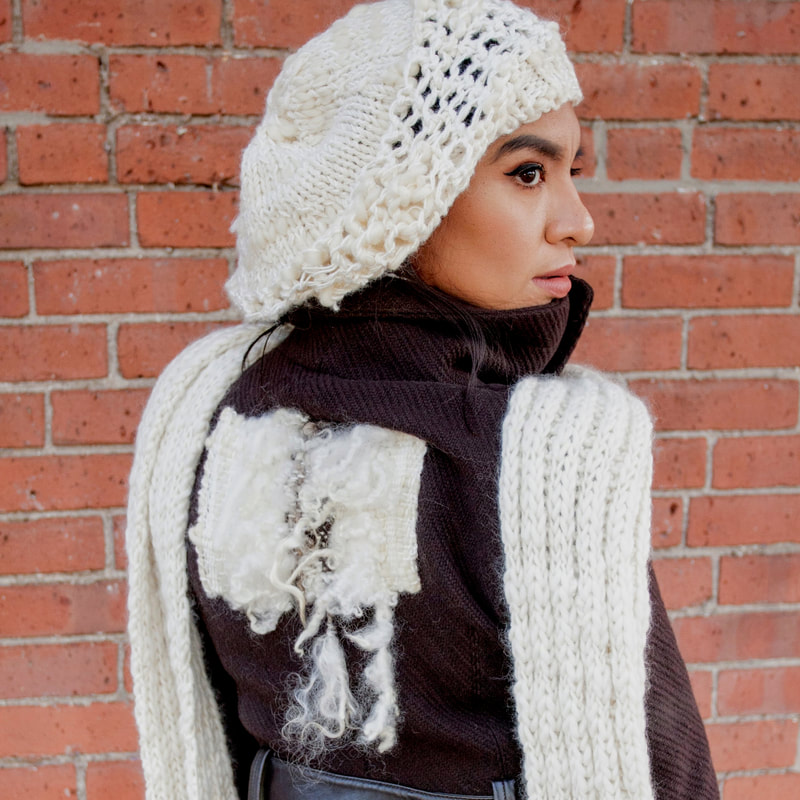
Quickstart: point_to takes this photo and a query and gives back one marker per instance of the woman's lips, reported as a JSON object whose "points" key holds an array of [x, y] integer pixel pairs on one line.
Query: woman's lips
{"points": [[557, 282]]}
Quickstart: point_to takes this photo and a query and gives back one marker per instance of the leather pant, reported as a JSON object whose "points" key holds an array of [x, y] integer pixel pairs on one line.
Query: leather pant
{"points": [[273, 779]]}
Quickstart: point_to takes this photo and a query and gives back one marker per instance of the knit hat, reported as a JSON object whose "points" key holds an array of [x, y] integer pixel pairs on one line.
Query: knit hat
{"points": [[372, 130]]}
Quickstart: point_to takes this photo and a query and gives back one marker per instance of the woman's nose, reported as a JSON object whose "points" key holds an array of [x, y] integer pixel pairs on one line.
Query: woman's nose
{"points": [[570, 219]]}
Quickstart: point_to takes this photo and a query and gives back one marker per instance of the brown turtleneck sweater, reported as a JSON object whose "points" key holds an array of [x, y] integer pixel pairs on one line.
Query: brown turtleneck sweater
{"points": [[389, 358]]}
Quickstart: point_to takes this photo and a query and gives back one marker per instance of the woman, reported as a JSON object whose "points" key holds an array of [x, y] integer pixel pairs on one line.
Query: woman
{"points": [[377, 556]]}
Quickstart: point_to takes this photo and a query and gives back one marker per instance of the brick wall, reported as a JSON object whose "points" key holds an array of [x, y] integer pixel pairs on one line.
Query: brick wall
{"points": [[122, 125]]}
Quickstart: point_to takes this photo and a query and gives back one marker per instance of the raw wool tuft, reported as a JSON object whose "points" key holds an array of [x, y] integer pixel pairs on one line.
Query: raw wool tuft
{"points": [[372, 129], [299, 516], [575, 522]]}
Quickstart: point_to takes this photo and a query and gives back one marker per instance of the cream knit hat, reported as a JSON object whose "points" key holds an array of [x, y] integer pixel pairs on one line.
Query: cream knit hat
{"points": [[372, 130]]}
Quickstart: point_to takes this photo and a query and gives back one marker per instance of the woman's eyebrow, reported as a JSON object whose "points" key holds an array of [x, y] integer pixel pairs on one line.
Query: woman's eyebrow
{"points": [[529, 141]]}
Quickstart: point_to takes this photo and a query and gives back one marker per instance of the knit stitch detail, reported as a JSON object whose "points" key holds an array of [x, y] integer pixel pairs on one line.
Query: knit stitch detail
{"points": [[320, 520], [372, 130], [575, 523]]}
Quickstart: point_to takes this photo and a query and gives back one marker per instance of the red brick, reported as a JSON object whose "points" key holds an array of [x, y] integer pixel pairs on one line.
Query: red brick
{"points": [[62, 153], [5, 36], [53, 84], [63, 220], [121, 780], [120, 555], [752, 745], [284, 23], [753, 91], [746, 519], [240, 85], [27, 731], [591, 26], [161, 83], [62, 608], [702, 683], [3, 156], [126, 669], [759, 691], [735, 342], [723, 26], [679, 463], [185, 219], [620, 345], [121, 22], [21, 420], [68, 544], [635, 91], [759, 579], [38, 483], [684, 581], [51, 352], [54, 782], [588, 160], [678, 218], [13, 289], [107, 417], [643, 153], [667, 525], [206, 154], [730, 154], [707, 281], [756, 218], [755, 461], [720, 404], [58, 670], [599, 272], [736, 637], [764, 787], [145, 349], [124, 285]]}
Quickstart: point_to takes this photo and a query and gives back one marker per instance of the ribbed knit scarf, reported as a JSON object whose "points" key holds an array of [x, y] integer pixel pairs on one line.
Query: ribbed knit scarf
{"points": [[574, 508]]}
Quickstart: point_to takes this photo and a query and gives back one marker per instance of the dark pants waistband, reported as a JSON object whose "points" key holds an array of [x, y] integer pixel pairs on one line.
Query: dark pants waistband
{"points": [[273, 779]]}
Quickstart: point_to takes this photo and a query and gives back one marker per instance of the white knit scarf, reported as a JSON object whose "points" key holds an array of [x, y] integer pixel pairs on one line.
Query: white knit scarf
{"points": [[574, 513]]}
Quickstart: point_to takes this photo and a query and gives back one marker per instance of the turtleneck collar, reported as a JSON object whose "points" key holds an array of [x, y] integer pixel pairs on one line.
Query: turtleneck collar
{"points": [[392, 331]]}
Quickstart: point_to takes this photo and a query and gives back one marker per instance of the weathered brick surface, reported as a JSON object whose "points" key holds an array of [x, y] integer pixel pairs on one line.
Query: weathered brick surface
{"points": [[128, 285], [185, 219], [58, 670], [117, 22], [109, 417], [206, 154], [54, 84], [722, 26], [55, 544], [643, 153], [13, 289], [647, 218], [56, 483], [707, 281], [119, 159], [47, 352], [21, 420], [758, 218], [753, 91], [63, 220], [67, 153], [743, 519], [121, 780]]}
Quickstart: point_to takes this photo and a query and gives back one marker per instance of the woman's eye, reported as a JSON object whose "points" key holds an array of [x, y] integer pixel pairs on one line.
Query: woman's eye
{"points": [[528, 174]]}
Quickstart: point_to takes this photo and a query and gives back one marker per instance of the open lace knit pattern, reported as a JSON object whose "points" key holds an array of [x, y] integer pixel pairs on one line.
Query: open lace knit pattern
{"points": [[372, 130], [574, 501]]}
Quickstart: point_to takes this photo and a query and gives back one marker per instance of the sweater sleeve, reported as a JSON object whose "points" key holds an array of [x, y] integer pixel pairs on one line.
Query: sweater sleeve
{"points": [[680, 758]]}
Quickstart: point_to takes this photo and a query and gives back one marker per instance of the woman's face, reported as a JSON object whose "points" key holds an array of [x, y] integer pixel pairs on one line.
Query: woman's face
{"points": [[507, 241]]}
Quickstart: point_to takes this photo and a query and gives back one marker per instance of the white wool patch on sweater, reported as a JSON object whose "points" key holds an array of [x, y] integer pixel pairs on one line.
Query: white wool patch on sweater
{"points": [[317, 519]]}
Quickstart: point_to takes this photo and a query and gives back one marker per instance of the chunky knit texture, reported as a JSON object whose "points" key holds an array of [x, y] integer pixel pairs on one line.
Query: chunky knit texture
{"points": [[183, 745], [575, 523], [372, 130]]}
